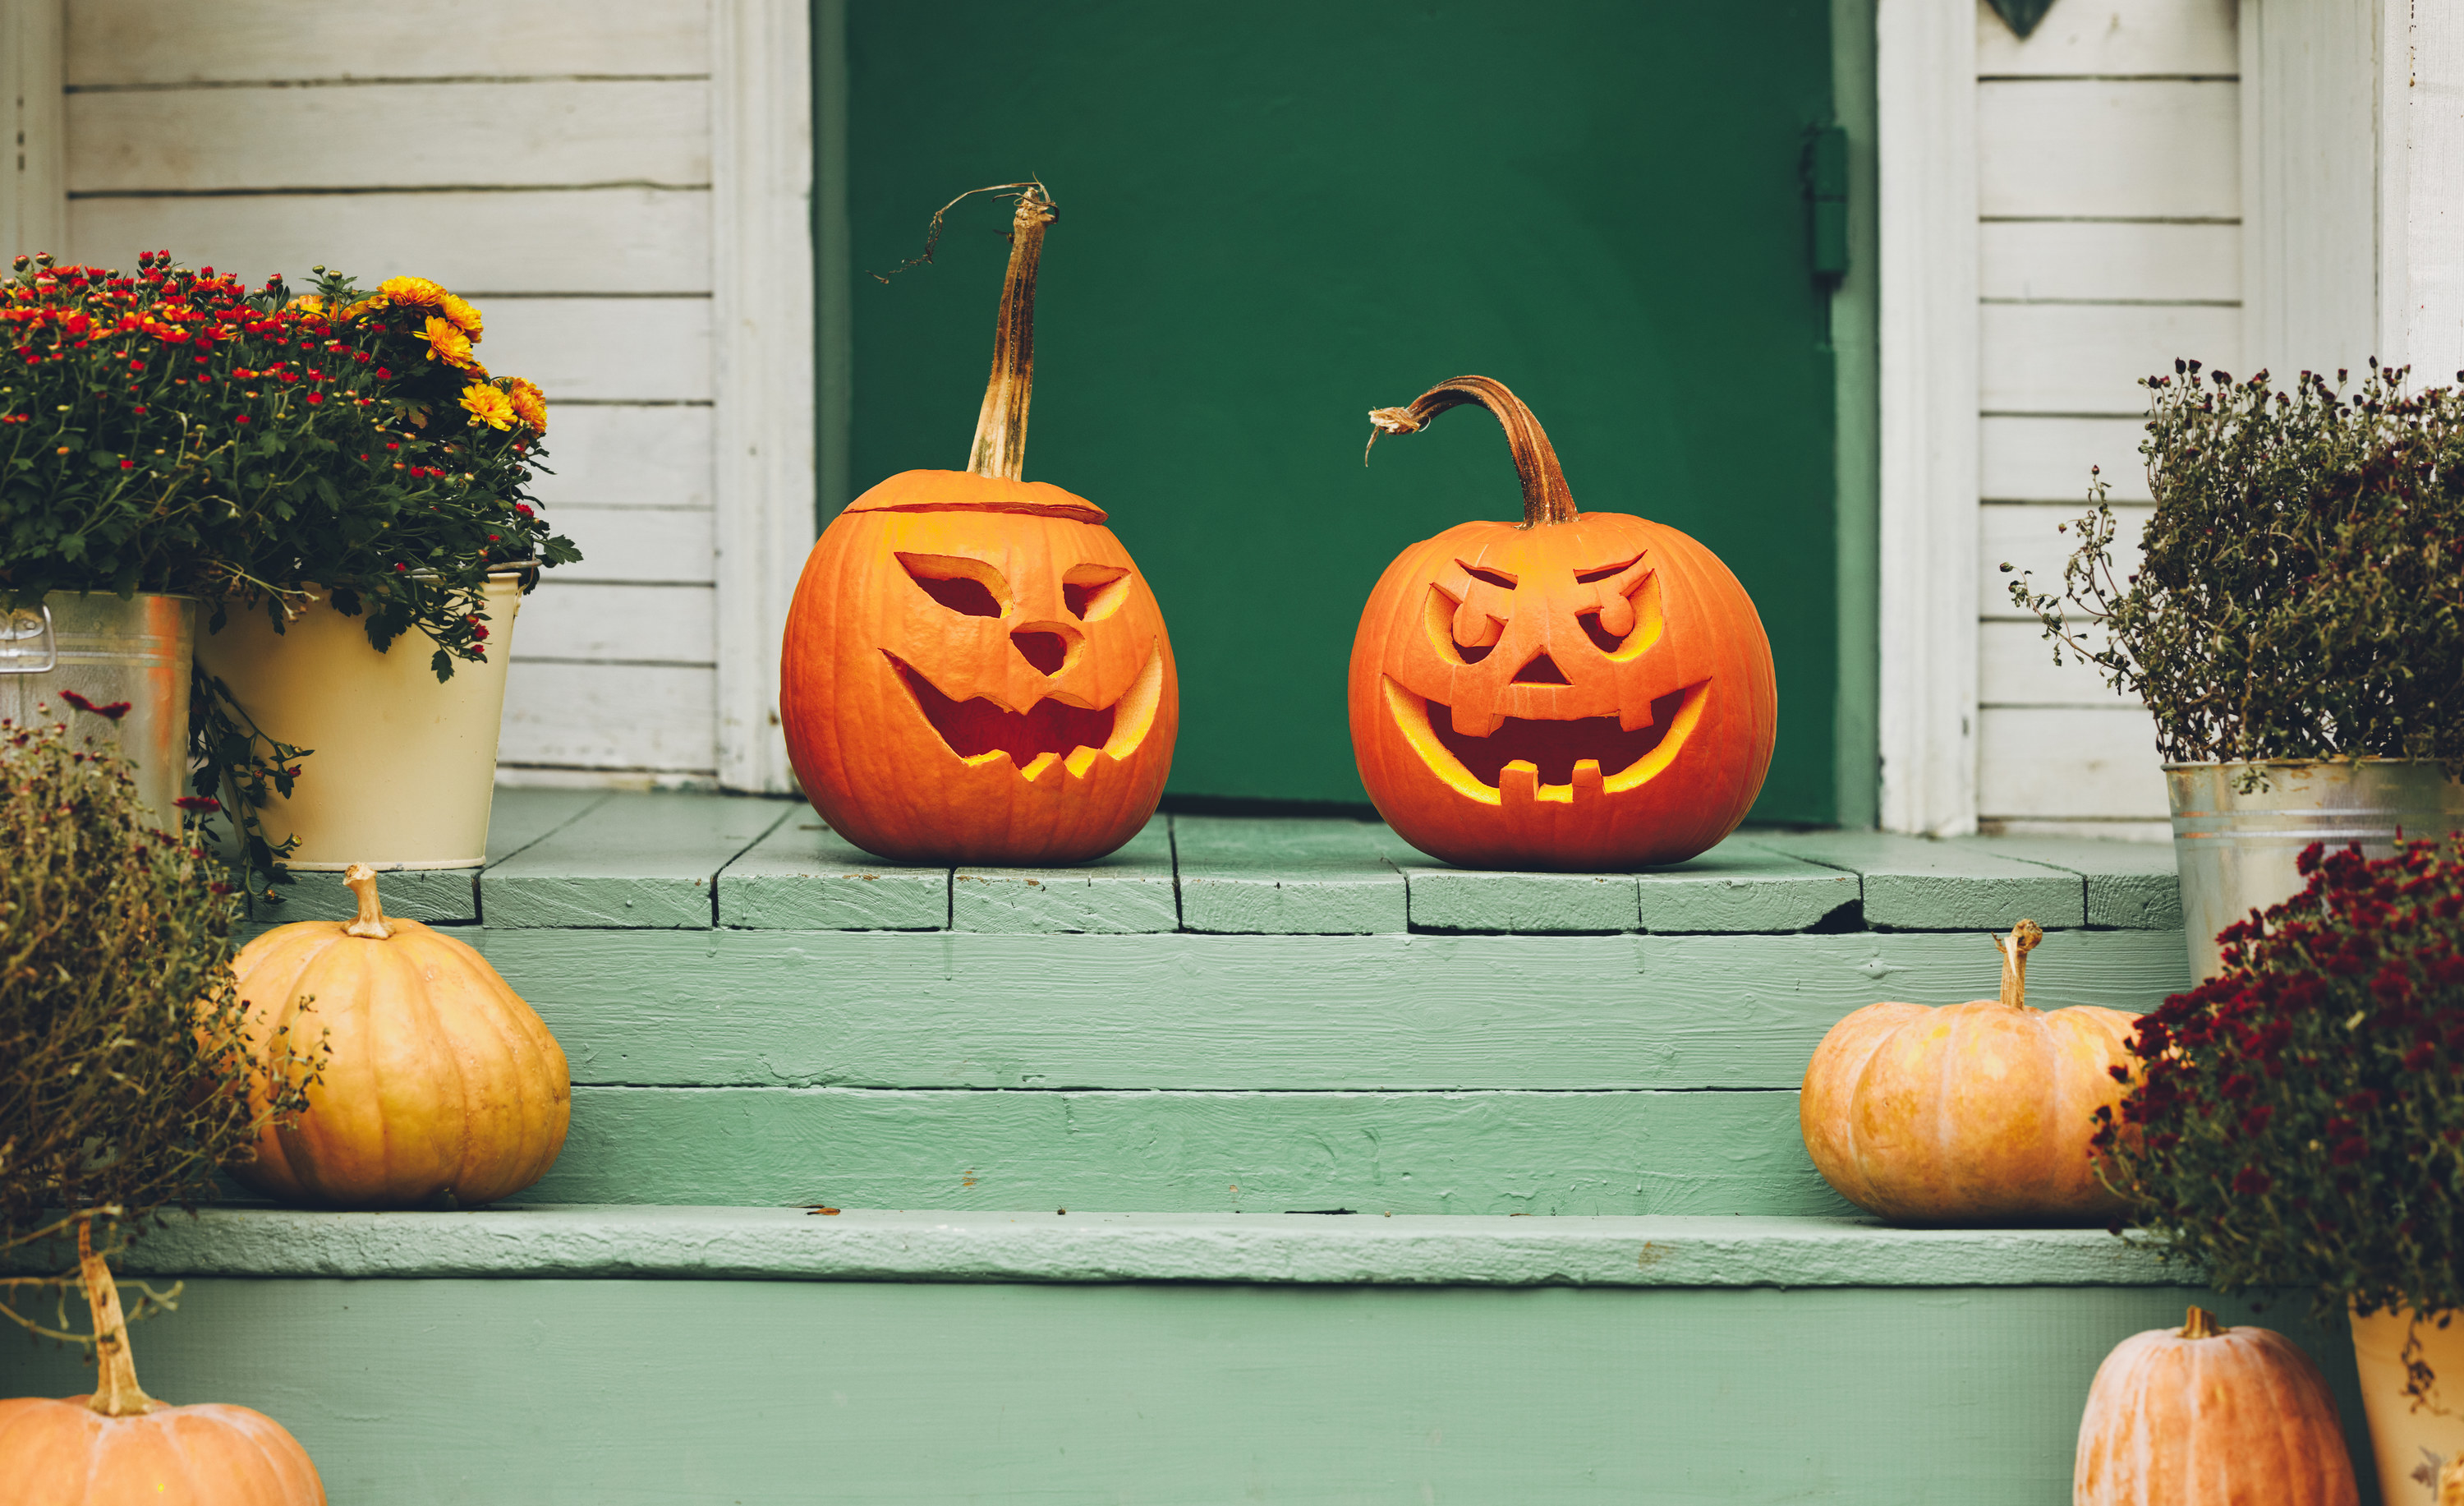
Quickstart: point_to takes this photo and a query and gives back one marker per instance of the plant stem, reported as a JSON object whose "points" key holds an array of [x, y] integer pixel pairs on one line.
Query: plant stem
{"points": [[2201, 1324], [999, 448], [115, 1391], [1546, 499]]}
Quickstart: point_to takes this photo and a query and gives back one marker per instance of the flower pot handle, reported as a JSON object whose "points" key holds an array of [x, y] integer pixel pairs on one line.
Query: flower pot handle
{"points": [[28, 646]]}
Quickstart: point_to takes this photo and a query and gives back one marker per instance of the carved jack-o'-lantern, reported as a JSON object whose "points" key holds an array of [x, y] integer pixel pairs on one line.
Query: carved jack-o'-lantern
{"points": [[1579, 690], [974, 668]]}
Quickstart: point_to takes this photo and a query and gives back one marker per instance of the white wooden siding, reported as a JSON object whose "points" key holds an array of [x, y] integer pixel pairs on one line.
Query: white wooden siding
{"points": [[550, 160], [2110, 202]]}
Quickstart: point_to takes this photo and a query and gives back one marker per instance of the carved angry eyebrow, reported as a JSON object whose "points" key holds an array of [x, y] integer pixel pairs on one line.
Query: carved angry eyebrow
{"points": [[1604, 572], [1482, 574]]}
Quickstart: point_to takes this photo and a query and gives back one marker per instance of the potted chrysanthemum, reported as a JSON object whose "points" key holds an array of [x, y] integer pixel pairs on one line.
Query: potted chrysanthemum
{"points": [[332, 482], [2294, 623], [2298, 1123], [369, 617]]}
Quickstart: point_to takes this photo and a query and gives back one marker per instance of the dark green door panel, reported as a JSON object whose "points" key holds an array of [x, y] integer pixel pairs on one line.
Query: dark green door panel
{"points": [[1277, 216]]}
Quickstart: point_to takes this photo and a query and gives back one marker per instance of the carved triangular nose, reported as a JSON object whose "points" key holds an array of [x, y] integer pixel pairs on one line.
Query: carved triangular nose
{"points": [[1043, 645], [1541, 670]]}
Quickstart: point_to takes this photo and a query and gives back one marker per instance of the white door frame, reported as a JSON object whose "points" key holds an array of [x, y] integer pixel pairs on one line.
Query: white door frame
{"points": [[1924, 69]]}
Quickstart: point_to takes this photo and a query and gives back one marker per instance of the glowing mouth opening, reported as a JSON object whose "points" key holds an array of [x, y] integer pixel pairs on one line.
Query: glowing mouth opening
{"points": [[1048, 735], [1542, 759]]}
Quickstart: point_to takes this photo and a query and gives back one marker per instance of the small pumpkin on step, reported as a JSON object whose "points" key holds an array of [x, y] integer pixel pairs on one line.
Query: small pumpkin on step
{"points": [[442, 1087], [1968, 1113], [120, 1447], [2181, 1417]]}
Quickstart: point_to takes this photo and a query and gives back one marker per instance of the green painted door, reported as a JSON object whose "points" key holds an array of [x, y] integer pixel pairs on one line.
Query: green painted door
{"points": [[1277, 216]]}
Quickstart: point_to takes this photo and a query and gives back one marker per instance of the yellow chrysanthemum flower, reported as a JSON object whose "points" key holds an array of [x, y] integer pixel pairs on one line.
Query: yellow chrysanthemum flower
{"points": [[488, 406], [464, 318], [366, 307], [413, 292], [307, 303], [528, 401], [452, 347]]}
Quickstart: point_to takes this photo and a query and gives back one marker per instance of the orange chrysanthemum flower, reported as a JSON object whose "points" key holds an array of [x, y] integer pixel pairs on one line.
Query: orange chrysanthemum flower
{"points": [[307, 303], [452, 347], [464, 318], [413, 292], [488, 406], [528, 401]]}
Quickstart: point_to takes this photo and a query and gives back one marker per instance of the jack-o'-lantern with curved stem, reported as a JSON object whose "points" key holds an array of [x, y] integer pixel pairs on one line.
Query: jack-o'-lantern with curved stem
{"points": [[1578, 691], [974, 670]]}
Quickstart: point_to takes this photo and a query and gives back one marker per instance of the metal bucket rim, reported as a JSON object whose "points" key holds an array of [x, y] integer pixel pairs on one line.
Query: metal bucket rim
{"points": [[133, 596], [2303, 762]]}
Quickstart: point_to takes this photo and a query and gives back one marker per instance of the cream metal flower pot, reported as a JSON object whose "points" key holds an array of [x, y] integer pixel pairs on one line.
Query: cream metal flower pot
{"points": [[400, 770], [109, 649], [2411, 1443], [2236, 850]]}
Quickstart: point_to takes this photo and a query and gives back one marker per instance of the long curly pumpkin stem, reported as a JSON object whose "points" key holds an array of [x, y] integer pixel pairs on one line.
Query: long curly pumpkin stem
{"points": [[115, 1391], [2015, 949], [999, 448], [1545, 497]]}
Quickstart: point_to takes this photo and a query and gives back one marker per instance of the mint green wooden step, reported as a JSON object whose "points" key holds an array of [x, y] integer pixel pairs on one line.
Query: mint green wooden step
{"points": [[1410, 1073], [671, 1356], [579, 859]]}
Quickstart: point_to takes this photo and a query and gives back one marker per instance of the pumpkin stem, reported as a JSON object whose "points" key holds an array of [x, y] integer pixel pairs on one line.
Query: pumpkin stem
{"points": [[371, 921], [999, 449], [1546, 499], [2201, 1324], [115, 1391], [2015, 949]]}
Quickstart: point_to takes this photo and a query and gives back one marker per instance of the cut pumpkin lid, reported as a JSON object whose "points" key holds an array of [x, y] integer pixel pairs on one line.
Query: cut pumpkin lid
{"points": [[952, 491]]}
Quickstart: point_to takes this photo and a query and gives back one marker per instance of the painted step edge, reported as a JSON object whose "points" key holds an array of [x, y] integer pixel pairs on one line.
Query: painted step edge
{"points": [[792, 1244]]}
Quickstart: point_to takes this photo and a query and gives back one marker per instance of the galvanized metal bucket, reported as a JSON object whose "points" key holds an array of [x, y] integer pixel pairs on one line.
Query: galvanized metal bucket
{"points": [[2236, 850], [109, 649]]}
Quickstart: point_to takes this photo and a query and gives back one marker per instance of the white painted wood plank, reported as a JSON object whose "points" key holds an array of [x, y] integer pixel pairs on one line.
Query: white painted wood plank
{"points": [[425, 135], [618, 351], [2047, 460], [1925, 141], [2107, 148], [2069, 762], [596, 240], [623, 457], [2421, 205], [573, 619], [608, 717], [2027, 536], [2310, 182], [2089, 358], [2016, 668], [149, 41], [640, 544], [2113, 36], [2110, 262], [33, 207]]}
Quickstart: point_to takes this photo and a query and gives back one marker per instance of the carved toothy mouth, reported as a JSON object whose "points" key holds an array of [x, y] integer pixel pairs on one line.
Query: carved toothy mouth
{"points": [[1050, 733], [1542, 759]]}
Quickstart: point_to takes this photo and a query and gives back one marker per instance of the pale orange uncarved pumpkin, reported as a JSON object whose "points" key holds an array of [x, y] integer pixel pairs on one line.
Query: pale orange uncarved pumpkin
{"points": [[1582, 690], [973, 669], [1969, 1114], [119, 1446], [2201, 1414], [441, 1084]]}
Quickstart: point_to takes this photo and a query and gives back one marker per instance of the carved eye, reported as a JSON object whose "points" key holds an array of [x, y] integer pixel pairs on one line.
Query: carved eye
{"points": [[960, 584], [1497, 577], [1638, 612], [1442, 613], [1604, 572], [1093, 592]]}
